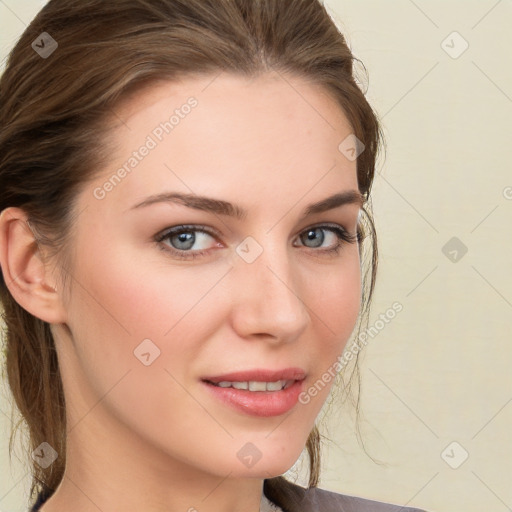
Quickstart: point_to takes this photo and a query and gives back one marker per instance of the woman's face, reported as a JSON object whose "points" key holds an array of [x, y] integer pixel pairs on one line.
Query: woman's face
{"points": [[251, 287]]}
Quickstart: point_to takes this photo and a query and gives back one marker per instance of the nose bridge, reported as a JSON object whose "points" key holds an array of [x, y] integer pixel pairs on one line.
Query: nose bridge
{"points": [[269, 293]]}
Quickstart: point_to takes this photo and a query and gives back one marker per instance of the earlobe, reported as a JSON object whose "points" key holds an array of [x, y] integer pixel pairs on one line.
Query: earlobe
{"points": [[24, 270]]}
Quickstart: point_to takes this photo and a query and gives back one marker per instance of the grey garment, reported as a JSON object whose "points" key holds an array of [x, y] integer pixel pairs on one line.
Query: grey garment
{"points": [[299, 499], [268, 506]]}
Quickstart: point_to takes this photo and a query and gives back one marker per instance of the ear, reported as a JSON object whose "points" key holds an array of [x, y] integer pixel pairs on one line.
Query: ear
{"points": [[24, 271]]}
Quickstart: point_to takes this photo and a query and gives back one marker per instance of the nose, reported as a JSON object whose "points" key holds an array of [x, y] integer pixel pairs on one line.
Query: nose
{"points": [[268, 301]]}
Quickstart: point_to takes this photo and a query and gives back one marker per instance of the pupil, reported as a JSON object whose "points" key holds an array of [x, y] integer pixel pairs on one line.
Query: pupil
{"points": [[186, 238], [311, 234]]}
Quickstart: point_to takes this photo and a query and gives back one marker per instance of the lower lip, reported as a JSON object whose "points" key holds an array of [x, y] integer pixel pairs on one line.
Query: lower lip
{"points": [[259, 403]]}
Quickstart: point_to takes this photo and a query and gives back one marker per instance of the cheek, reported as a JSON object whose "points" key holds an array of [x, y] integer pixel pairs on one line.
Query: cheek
{"points": [[336, 302], [121, 303], [335, 311], [126, 298], [147, 304]]}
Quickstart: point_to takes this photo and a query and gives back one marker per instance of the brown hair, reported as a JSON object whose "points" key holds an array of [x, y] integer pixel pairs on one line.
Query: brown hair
{"points": [[55, 112]]}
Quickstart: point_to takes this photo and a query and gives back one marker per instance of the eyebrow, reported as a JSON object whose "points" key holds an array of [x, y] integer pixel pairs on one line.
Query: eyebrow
{"points": [[220, 207]]}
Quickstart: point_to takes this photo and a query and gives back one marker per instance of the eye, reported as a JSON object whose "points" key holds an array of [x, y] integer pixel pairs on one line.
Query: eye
{"points": [[189, 242], [314, 237], [182, 239]]}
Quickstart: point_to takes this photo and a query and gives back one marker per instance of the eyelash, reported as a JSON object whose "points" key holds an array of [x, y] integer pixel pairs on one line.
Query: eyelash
{"points": [[343, 237]]}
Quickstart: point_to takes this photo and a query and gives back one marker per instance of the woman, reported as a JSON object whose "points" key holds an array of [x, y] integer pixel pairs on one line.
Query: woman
{"points": [[183, 194]]}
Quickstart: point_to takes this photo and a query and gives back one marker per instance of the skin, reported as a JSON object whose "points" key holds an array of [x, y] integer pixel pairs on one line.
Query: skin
{"points": [[150, 437]]}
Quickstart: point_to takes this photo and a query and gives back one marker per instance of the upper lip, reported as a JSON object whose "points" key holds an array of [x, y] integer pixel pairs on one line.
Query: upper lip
{"points": [[259, 375]]}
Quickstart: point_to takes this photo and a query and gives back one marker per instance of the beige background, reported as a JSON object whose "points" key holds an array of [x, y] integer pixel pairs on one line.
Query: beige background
{"points": [[439, 372]]}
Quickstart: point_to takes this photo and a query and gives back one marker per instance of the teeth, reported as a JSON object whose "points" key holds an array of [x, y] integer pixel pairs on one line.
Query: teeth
{"points": [[257, 386], [254, 385], [275, 386]]}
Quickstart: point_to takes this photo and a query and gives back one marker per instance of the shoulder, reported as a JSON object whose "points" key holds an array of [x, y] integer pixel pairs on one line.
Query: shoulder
{"points": [[294, 498]]}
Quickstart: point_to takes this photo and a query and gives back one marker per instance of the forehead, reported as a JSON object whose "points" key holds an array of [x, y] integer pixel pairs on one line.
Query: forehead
{"points": [[228, 88], [206, 133]]}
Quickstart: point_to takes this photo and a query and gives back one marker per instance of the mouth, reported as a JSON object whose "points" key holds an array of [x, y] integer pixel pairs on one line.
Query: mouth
{"points": [[254, 385], [258, 379], [258, 392]]}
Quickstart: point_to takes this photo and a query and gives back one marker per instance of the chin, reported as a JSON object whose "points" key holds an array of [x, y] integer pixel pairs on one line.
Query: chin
{"points": [[274, 461]]}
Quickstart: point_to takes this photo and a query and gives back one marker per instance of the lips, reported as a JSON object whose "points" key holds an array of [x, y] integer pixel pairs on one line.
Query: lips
{"points": [[258, 392], [258, 375]]}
